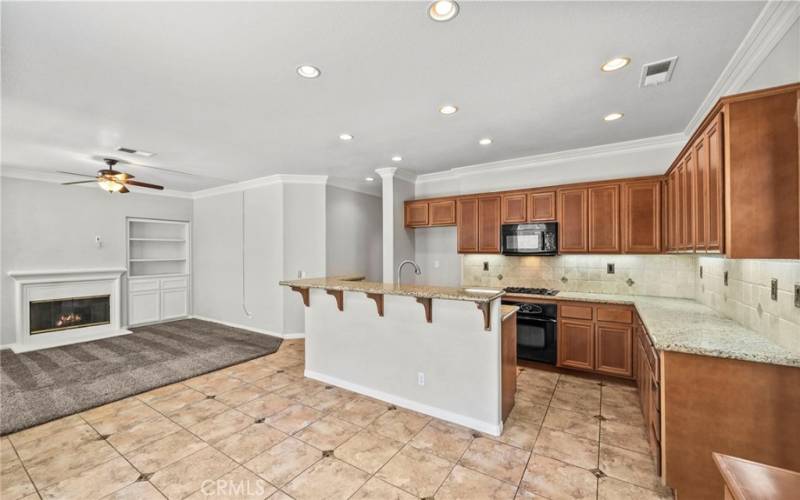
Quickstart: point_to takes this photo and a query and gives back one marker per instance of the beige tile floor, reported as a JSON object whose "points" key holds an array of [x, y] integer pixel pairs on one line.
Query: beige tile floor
{"points": [[259, 429]]}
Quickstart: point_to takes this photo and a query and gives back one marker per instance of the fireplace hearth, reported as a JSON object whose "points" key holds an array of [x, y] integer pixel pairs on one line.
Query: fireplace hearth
{"points": [[69, 313]]}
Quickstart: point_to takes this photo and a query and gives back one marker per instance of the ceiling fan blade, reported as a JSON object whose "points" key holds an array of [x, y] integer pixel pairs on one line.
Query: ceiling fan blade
{"points": [[144, 184], [73, 173], [121, 161], [77, 182]]}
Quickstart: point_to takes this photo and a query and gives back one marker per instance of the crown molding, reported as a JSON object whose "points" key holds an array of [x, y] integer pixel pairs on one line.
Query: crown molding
{"points": [[534, 161], [269, 180], [400, 173], [766, 32], [36, 176], [373, 189]]}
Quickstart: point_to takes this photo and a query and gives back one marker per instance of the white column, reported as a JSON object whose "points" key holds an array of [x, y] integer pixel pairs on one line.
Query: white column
{"points": [[398, 242]]}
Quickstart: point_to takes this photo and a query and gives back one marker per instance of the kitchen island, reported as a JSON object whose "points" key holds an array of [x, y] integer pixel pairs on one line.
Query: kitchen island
{"points": [[435, 350]]}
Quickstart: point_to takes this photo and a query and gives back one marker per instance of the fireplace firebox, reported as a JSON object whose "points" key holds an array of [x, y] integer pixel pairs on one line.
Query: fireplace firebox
{"points": [[66, 314]]}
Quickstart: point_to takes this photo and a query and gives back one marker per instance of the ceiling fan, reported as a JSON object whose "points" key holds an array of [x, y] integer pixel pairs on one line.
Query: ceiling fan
{"points": [[112, 180]]}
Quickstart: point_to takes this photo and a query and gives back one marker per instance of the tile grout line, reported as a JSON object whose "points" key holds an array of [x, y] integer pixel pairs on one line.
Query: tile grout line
{"points": [[24, 468]]}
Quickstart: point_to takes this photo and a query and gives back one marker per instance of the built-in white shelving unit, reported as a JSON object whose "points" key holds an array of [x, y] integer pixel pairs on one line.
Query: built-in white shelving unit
{"points": [[159, 270]]}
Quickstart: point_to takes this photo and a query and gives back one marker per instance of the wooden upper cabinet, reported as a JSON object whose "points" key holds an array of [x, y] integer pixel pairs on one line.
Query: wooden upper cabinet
{"points": [[641, 216], [542, 206], [514, 210], [699, 175], [576, 344], [467, 224], [713, 186], [688, 209], [613, 349], [604, 219], [442, 213], [416, 213], [573, 221], [489, 224]]}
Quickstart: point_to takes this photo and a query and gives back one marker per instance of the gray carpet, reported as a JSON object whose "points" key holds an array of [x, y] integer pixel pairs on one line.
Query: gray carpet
{"points": [[39, 386]]}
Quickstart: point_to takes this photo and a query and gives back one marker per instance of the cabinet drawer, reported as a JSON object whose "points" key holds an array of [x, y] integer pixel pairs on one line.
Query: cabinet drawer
{"points": [[172, 283], [576, 311], [142, 285], [615, 315]]}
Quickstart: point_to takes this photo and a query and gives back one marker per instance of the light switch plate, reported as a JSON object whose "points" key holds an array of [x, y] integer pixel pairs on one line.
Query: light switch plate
{"points": [[797, 295], [701, 272], [773, 289], [610, 268], [725, 278], [485, 265]]}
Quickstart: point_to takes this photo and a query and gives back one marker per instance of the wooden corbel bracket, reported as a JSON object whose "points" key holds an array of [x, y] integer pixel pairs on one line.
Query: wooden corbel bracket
{"points": [[339, 296], [427, 303], [303, 292], [486, 308], [378, 298]]}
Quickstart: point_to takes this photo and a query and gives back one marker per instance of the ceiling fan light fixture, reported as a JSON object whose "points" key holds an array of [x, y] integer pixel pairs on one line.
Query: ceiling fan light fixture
{"points": [[111, 186]]}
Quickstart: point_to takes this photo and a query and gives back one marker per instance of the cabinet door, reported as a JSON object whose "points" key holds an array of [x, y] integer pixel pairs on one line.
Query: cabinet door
{"points": [[699, 176], [174, 303], [442, 213], [144, 307], [680, 206], [576, 344], [416, 213], [641, 217], [489, 224], [467, 225], [714, 187], [604, 219], [572, 221], [514, 208], [542, 206], [613, 349], [686, 202]]}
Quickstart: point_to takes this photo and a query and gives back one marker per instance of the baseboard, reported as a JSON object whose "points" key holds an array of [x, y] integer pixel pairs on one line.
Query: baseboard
{"points": [[20, 348], [286, 336], [478, 425]]}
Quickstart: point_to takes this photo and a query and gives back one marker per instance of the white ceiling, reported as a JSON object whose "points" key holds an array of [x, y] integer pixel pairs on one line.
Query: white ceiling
{"points": [[212, 88]]}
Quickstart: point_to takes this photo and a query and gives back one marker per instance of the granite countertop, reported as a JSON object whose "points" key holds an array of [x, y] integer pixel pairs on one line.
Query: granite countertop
{"points": [[684, 325], [507, 310], [357, 284]]}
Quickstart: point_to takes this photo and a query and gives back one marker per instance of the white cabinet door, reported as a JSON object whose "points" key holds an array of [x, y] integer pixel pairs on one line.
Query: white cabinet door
{"points": [[144, 307], [174, 303]]}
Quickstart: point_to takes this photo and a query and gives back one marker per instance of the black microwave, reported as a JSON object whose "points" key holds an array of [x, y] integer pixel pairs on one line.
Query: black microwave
{"points": [[529, 239]]}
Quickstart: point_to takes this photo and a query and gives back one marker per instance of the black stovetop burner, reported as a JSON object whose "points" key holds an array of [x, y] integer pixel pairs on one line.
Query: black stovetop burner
{"points": [[530, 291]]}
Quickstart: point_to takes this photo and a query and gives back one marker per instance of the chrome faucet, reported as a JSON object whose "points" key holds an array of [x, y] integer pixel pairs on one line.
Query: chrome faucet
{"points": [[417, 270]]}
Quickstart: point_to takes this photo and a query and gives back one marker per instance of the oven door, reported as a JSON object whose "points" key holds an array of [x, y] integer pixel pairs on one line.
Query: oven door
{"points": [[522, 239], [536, 338]]}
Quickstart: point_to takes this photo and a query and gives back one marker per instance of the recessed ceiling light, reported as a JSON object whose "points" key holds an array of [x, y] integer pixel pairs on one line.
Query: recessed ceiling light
{"points": [[485, 141], [613, 116], [346, 137], [615, 64], [448, 109], [307, 71], [369, 179], [443, 10], [132, 151], [397, 158]]}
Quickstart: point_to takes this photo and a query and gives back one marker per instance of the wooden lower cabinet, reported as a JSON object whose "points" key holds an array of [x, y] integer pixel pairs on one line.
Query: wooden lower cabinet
{"points": [[613, 349], [576, 344]]}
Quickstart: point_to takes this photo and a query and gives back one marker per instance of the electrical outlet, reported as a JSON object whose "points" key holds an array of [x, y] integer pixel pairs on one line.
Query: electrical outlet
{"points": [[301, 274], [610, 268], [485, 266], [98, 241], [725, 278], [420, 378], [773, 289], [797, 295], [701, 272]]}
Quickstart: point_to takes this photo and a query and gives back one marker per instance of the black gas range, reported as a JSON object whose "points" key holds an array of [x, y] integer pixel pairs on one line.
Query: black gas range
{"points": [[537, 328], [530, 291]]}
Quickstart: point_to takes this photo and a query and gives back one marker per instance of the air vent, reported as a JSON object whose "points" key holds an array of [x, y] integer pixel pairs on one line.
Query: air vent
{"points": [[657, 73], [135, 151]]}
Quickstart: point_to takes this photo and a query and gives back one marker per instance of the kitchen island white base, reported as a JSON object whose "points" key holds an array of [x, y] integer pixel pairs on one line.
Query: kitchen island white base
{"points": [[448, 368]]}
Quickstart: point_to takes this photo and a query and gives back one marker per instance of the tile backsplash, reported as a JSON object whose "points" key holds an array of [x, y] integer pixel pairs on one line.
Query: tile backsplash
{"points": [[746, 299], [658, 275]]}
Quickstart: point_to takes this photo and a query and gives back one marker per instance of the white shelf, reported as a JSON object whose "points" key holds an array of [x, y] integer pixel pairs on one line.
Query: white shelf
{"points": [[156, 260], [171, 240], [157, 275]]}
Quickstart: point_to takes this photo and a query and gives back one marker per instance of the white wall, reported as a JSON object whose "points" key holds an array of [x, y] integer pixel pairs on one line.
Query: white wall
{"points": [[217, 250], [398, 241], [436, 254], [49, 226], [781, 66], [353, 233]]}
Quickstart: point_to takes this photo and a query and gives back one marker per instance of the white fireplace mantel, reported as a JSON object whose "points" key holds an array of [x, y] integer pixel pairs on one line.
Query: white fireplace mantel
{"points": [[55, 284]]}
